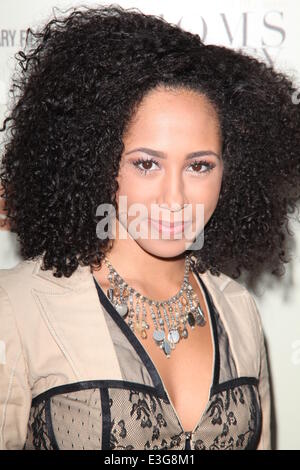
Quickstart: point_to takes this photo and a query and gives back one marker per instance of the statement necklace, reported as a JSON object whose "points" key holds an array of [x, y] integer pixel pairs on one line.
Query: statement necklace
{"points": [[170, 317]]}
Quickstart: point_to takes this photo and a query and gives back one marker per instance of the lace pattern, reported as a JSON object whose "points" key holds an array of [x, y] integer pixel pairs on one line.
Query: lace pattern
{"points": [[38, 428], [136, 420]]}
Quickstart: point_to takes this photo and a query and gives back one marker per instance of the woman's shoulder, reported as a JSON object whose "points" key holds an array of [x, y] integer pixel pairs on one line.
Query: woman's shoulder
{"points": [[18, 280], [29, 274], [15, 280], [20, 284], [16, 285], [21, 267]]}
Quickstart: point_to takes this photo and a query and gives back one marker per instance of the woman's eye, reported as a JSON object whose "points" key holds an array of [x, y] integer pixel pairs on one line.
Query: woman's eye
{"points": [[198, 165], [146, 163]]}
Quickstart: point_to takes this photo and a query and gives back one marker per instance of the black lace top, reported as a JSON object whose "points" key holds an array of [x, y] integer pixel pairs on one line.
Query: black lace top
{"points": [[136, 413]]}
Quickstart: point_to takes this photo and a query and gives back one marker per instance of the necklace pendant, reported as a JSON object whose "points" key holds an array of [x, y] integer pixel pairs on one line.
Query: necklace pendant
{"points": [[191, 319], [173, 336], [110, 294], [200, 319], [179, 329], [166, 348], [116, 291], [144, 334], [158, 335], [125, 293], [184, 333], [140, 328], [122, 309]]}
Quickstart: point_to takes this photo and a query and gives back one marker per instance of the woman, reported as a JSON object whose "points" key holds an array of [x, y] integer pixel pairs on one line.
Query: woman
{"points": [[114, 338]]}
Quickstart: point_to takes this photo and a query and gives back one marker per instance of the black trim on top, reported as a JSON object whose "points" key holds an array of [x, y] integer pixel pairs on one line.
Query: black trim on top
{"points": [[106, 418], [123, 384], [234, 383], [90, 384], [212, 310]]}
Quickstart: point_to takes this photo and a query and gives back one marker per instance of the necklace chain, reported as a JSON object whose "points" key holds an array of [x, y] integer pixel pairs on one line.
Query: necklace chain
{"points": [[170, 317]]}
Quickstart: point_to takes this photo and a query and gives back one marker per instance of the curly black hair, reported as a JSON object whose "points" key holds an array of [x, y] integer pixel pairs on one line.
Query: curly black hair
{"points": [[75, 92]]}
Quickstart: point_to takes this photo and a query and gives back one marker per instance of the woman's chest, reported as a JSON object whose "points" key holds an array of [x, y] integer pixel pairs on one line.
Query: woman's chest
{"points": [[187, 374]]}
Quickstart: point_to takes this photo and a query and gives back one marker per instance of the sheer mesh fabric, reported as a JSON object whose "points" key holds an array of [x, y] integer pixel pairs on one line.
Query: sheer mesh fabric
{"points": [[76, 419], [231, 422], [143, 421]]}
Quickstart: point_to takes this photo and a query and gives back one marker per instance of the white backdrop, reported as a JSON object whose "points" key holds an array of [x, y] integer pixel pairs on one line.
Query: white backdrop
{"points": [[268, 29]]}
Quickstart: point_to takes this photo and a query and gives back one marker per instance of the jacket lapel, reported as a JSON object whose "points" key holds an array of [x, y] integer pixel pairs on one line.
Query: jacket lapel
{"points": [[238, 317], [73, 314]]}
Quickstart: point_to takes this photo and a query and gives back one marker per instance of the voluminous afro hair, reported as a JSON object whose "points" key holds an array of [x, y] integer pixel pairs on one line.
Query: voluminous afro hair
{"points": [[77, 89]]}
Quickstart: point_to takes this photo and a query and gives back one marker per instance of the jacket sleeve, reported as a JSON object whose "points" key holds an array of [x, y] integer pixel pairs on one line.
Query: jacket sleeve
{"points": [[263, 387], [15, 392]]}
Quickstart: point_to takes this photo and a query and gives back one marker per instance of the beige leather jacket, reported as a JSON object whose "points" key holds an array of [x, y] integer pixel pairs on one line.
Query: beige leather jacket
{"points": [[45, 343]]}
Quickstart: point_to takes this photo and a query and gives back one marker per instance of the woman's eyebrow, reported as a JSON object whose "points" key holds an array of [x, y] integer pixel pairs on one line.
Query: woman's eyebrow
{"points": [[159, 154]]}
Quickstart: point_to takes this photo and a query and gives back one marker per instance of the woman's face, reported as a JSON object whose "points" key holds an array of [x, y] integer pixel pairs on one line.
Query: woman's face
{"points": [[167, 182]]}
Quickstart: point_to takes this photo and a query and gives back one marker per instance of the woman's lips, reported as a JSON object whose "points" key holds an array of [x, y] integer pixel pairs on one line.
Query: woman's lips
{"points": [[170, 227]]}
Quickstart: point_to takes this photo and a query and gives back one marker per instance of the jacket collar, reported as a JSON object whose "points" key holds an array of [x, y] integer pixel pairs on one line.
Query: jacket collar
{"points": [[79, 280]]}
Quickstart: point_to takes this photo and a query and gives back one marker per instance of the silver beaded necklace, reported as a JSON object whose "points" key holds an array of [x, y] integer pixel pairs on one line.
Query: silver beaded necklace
{"points": [[187, 309]]}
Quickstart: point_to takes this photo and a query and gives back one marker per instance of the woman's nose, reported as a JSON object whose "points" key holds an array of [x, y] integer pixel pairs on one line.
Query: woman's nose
{"points": [[172, 193]]}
